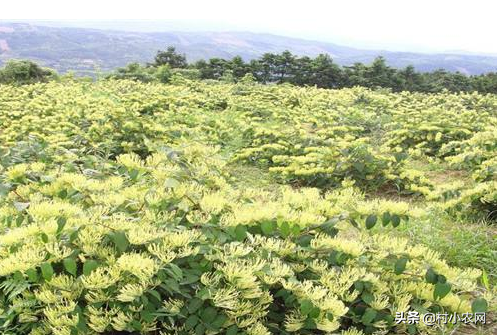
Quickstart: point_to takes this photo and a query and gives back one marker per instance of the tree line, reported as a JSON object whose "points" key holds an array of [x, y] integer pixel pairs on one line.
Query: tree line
{"points": [[323, 72], [320, 71]]}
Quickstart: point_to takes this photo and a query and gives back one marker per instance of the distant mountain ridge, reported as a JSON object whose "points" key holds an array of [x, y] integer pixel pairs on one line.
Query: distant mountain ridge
{"points": [[87, 50]]}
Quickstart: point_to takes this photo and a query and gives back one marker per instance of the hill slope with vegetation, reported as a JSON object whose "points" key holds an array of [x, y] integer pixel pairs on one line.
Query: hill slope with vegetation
{"points": [[220, 208]]}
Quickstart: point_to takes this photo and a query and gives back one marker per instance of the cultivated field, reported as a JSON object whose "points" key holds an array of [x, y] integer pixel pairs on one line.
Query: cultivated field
{"points": [[210, 208]]}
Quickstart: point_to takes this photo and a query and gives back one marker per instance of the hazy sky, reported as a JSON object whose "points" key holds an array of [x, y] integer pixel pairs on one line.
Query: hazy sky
{"points": [[421, 25]]}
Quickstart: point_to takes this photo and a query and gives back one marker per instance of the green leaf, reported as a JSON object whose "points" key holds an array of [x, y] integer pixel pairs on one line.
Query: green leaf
{"points": [[70, 266], [47, 271], [367, 297], [309, 323], [81, 326], [306, 306], [368, 316], [61, 222], [203, 294], [191, 322], [441, 279], [295, 229], [233, 330], [314, 313], [400, 265], [155, 294], [194, 305], [480, 305], [73, 236], [267, 227], [176, 271], [18, 276], [441, 290], [431, 276], [133, 174], [395, 220], [144, 301], [359, 286], [371, 221], [120, 240], [136, 325], [62, 194], [285, 229], [208, 314], [32, 275], [147, 316], [219, 321], [200, 329], [89, 266], [386, 218], [44, 238], [240, 232], [171, 286], [304, 240]]}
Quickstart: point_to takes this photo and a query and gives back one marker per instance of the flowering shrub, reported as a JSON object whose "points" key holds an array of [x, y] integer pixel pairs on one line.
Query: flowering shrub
{"points": [[118, 213], [166, 244], [477, 155]]}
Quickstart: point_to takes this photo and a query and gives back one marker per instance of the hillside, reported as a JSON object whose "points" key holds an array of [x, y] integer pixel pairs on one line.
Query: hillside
{"points": [[85, 49], [243, 209]]}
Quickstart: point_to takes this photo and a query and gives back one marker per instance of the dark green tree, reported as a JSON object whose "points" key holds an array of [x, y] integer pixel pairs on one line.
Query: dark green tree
{"points": [[239, 68], [171, 58], [25, 72], [379, 74], [409, 79], [302, 71], [320, 71], [485, 83], [285, 66], [146, 74], [213, 69], [356, 75], [267, 68], [324, 73]]}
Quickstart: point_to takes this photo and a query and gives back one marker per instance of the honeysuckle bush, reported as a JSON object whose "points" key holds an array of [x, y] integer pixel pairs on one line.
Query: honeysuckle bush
{"points": [[477, 155], [439, 120], [165, 244], [479, 201], [121, 210]]}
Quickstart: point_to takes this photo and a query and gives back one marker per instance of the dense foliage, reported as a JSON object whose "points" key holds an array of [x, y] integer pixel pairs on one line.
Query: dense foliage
{"points": [[135, 71], [24, 72], [128, 207], [321, 72]]}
